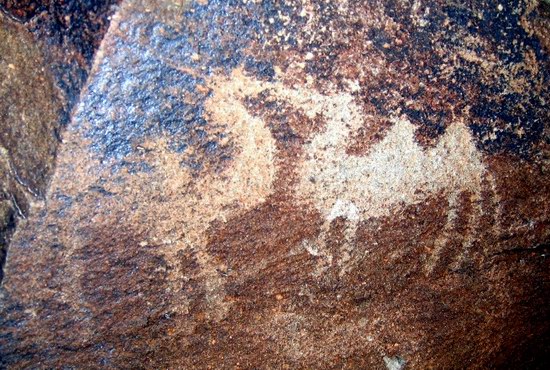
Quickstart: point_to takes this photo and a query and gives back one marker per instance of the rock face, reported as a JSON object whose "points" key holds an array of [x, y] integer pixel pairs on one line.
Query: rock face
{"points": [[45, 55], [243, 184], [29, 121]]}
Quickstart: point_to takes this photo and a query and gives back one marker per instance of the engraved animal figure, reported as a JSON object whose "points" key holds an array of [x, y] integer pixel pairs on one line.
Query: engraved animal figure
{"points": [[395, 172]]}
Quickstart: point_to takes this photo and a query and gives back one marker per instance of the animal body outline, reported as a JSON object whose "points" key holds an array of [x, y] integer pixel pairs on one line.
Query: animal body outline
{"points": [[396, 171]]}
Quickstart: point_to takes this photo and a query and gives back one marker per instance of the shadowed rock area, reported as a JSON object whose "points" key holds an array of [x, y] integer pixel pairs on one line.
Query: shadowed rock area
{"points": [[297, 184], [45, 55]]}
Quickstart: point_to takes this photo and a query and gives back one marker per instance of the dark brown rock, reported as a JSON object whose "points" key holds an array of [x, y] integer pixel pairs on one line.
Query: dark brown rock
{"points": [[30, 108], [45, 55], [352, 184]]}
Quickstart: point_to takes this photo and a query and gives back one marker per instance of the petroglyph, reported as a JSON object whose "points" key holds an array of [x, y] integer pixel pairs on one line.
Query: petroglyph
{"points": [[182, 204], [246, 182], [255, 183], [395, 172]]}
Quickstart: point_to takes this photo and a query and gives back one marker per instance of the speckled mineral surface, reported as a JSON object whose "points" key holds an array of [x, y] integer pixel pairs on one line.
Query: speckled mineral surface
{"points": [[264, 184]]}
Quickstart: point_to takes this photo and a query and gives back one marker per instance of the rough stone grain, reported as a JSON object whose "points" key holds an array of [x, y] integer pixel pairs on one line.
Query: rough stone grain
{"points": [[298, 184], [46, 51]]}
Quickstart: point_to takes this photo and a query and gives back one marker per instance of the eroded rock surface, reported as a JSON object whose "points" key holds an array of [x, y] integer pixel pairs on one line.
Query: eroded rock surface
{"points": [[46, 51], [306, 184], [29, 121]]}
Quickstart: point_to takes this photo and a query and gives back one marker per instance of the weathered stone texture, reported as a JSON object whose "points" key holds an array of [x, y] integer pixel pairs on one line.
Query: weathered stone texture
{"points": [[46, 51], [298, 184], [29, 124]]}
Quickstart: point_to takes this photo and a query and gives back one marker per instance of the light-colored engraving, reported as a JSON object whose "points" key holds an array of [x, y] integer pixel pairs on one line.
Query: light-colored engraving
{"points": [[245, 183], [395, 172], [179, 207]]}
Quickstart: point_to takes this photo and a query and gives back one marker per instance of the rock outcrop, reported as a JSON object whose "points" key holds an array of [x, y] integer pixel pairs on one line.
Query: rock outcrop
{"points": [[298, 184]]}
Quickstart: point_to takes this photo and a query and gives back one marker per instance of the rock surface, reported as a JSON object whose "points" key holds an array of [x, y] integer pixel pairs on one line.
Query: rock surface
{"points": [[29, 121], [243, 184], [46, 51]]}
